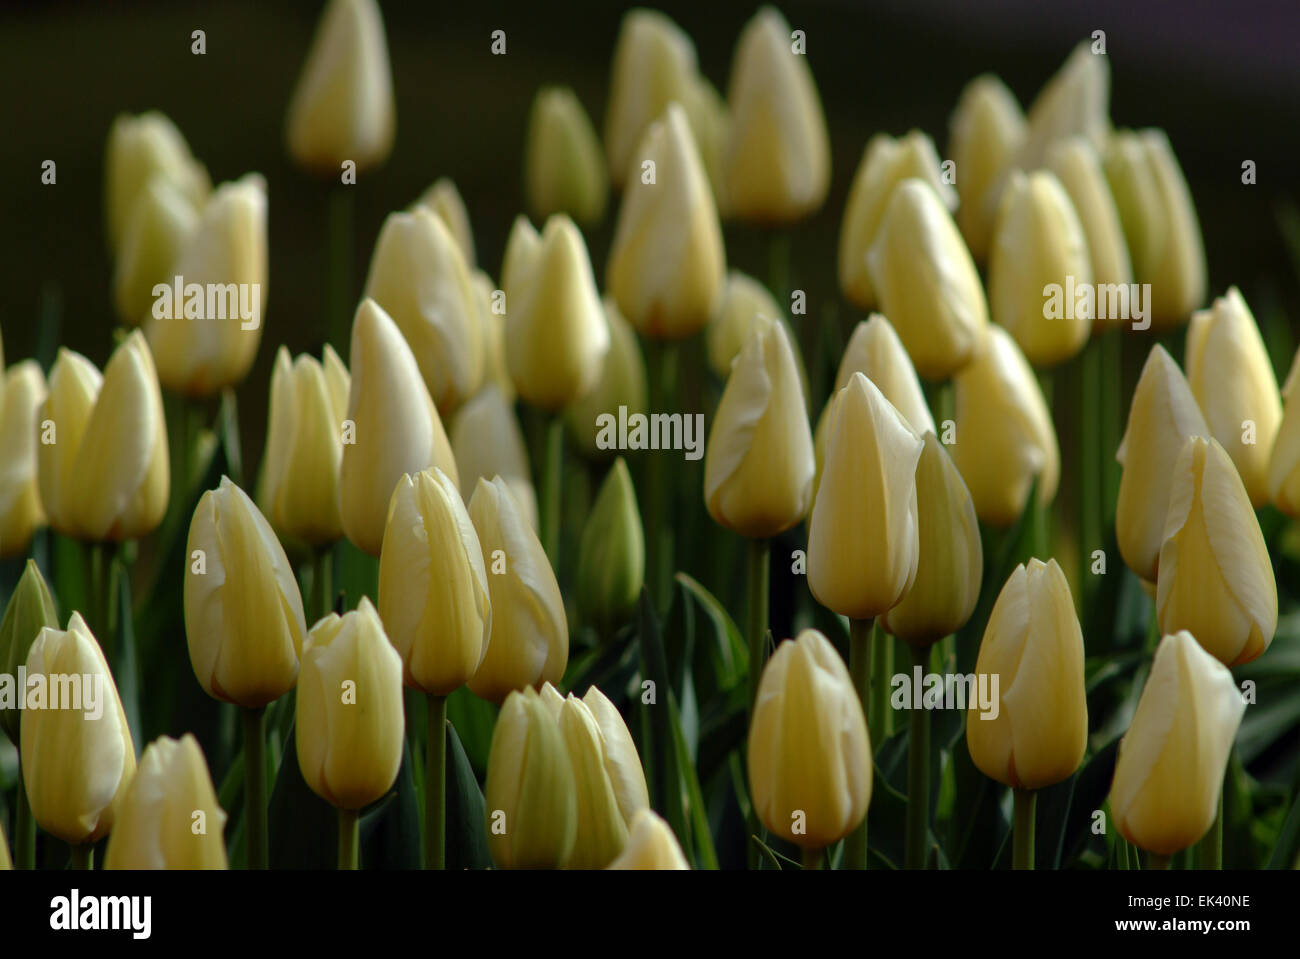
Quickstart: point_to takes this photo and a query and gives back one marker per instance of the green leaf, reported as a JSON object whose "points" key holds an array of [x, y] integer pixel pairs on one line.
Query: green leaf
{"points": [[731, 655], [1286, 854], [390, 826], [660, 755], [466, 810]]}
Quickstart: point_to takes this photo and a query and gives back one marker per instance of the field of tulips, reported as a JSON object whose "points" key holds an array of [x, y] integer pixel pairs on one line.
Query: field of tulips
{"points": [[639, 550]]}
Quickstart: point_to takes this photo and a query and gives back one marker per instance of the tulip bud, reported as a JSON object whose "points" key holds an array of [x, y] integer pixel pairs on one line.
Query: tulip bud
{"points": [[342, 106], [348, 722], [161, 222], [1038, 242], [530, 635], [104, 474], [492, 332], [202, 341], [523, 247], [950, 559], [1232, 378], [1163, 414], [885, 163], [759, 464], [487, 442], [433, 588], [1284, 463], [650, 845], [1160, 224], [419, 278], [1033, 649], [141, 148], [743, 299], [667, 265], [1074, 102], [30, 609], [564, 169], [622, 383], [531, 795], [304, 447], [444, 201], [862, 534], [170, 817], [243, 612], [809, 751], [395, 428], [76, 765], [711, 126], [1004, 433], [654, 65], [1216, 578], [926, 281], [778, 158], [556, 334], [611, 554], [986, 130], [22, 394], [1171, 762]]}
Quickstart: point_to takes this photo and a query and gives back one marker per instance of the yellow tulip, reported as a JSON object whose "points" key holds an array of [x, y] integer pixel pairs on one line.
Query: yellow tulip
{"points": [[862, 534], [141, 148], [1036, 733], [444, 201], [986, 130], [564, 168], [22, 394], [433, 587], [492, 331], [392, 426], [342, 106], [487, 442], [1074, 102], [161, 222], [650, 845], [1284, 462], [1232, 378], [1171, 762], [622, 383], [78, 759], [743, 299], [711, 125], [1004, 434], [521, 256], [611, 554], [530, 634], [170, 817], [110, 428], [243, 612], [809, 751]]}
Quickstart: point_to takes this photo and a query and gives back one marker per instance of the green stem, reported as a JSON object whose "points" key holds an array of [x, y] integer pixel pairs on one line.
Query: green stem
{"points": [[1157, 861], [1088, 416], [435, 785], [255, 786], [322, 569], [340, 263], [83, 856], [756, 623], [1212, 844], [1112, 388], [229, 414], [552, 471], [24, 827], [812, 858], [661, 359], [349, 839], [860, 630], [880, 718], [1023, 845], [918, 775]]}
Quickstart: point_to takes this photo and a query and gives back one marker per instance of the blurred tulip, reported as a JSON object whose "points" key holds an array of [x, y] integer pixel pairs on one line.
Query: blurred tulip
{"points": [[30, 609], [809, 751], [110, 428], [650, 845], [22, 394], [622, 383], [1074, 102], [711, 126], [619, 756], [743, 299], [170, 817], [1284, 463], [76, 765], [1171, 762], [487, 442], [342, 106], [985, 132], [522, 253], [161, 222], [395, 428], [492, 332], [141, 148], [1004, 434], [243, 612], [611, 554], [564, 168], [444, 201], [1037, 731]]}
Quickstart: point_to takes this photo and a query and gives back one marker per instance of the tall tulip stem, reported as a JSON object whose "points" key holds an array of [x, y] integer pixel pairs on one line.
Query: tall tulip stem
{"points": [[661, 359], [349, 839], [322, 570], [918, 775], [552, 473], [860, 630], [812, 858], [83, 856], [880, 718], [340, 263], [759, 557], [435, 785], [1156, 861], [24, 827], [1023, 837], [255, 786], [1211, 850]]}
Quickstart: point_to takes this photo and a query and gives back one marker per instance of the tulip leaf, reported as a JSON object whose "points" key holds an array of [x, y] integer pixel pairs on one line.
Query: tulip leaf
{"points": [[730, 654], [302, 828], [474, 719], [1286, 853], [466, 810], [660, 754], [390, 826], [978, 825], [1065, 810]]}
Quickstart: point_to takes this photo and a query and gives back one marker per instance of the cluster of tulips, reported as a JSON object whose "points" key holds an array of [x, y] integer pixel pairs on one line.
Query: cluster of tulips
{"points": [[893, 482]]}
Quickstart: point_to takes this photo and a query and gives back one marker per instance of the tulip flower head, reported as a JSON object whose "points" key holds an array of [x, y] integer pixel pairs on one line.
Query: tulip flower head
{"points": [[611, 554], [30, 609], [1074, 102], [444, 201], [985, 132], [162, 220], [622, 383], [564, 168], [1284, 463], [743, 300], [22, 394], [650, 845], [141, 149], [487, 442]]}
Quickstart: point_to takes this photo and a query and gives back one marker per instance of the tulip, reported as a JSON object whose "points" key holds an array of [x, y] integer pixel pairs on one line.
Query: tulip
{"points": [[1004, 433], [650, 845], [1074, 102], [420, 279], [304, 447], [985, 132], [1160, 225], [1171, 762], [1232, 378], [22, 394], [162, 220], [1216, 578], [531, 794], [141, 148], [885, 163], [170, 817], [76, 765], [30, 609], [809, 751], [926, 281], [492, 332], [759, 465], [611, 554], [667, 266], [110, 428], [743, 299], [530, 635], [710, 125], [226, 252], [342, 106], [1284, 463], [487, 442], [444, 201], [564, 169], [622, 383], [1163, 414], [654, 65], [1039, 242], [395, 428], [522, 249]]}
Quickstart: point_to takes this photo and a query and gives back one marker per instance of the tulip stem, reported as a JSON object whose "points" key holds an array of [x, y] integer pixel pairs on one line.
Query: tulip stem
{"points": [[918, 775], [83, 856], [552, 471], [812, 858], [340, 262], [661, 360], [759, 557], [1023, 844], [24, 826], [349, 839], [880, 718], [435, 785], [860, 630], [1156, 861], [1212, 845], [255, 786], [322, 569]]}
